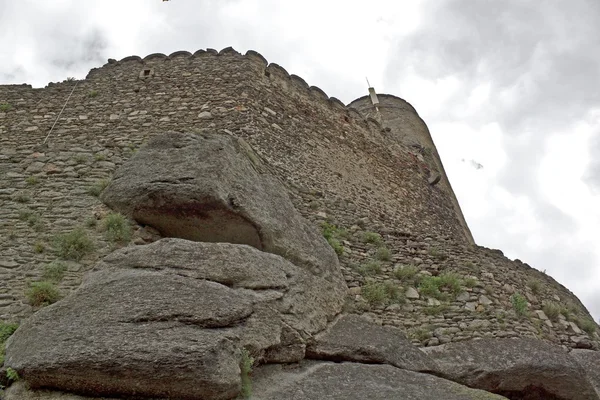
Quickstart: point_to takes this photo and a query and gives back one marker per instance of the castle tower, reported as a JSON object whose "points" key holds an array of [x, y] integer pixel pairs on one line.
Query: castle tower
{"points": [[405, 127]]}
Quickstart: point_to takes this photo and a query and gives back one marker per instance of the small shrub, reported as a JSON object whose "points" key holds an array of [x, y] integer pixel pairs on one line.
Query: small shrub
{"points": [[5, 107], [97, 188], [100, 157], [246, 363], [25, 214], [470, 282], [552, 310], [431, 285], [383, 254], [54, 272], [32, 219], [328, 230], [406, 273], [372, 238], [91, 222], [420, 334], [42, 294], [534, 285], [73, 245], [489, 290], [93, 93], [22, 198], [7, 329], [80, 158], [437, 254], [336, 245], [39, 247], [70, 79], [587, 325], [332, 231], [12, 375], [117, 228], [501, 317], [370, 268], [451, 281], [435, 310], [32, 180], [469, 265], [333, 234], [394, 294], [519, 304], [375, 293]]}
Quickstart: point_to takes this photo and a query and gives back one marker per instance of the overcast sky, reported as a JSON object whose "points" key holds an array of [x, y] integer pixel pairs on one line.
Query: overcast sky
{"points": [[510, 90]]}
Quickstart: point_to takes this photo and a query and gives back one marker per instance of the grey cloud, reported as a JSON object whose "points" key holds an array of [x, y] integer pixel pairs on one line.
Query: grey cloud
{"points": [[89, 48], [543, 52], [592, 176]]}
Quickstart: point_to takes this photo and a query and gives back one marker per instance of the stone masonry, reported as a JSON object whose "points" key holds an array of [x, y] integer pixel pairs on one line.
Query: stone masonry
{"points": [[343, 169]]}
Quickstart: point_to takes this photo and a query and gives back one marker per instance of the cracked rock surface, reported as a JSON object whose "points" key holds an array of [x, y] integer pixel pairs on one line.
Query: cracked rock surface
{"points": [[521, 368], [208, 188], [353, 381], [169, 319]]}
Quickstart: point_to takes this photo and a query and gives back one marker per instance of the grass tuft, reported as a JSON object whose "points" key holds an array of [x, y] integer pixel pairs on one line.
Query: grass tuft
{"points": [[519, 304], [32, 180], [97, 188], [432, 286], [117, 228], [534, 285], [372, 238], [587, 325], [246, 363], [370, 268], [42, 294], [406, 273], [383, 254], [73, 245], [6, 330], [12, 375], [552, 310], [334, 235], [382, 293], [54, 272]]}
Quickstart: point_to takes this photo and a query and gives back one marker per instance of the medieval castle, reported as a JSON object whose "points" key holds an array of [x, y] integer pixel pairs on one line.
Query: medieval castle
{"points": [[366, 175]]}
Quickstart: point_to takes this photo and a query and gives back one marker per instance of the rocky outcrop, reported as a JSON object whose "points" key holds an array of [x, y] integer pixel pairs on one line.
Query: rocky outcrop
{"points": [[355, 338], [350, 381], [169, 320], [517, 368], [305, 302], [21, 391], [590, 361], [207, 188]]}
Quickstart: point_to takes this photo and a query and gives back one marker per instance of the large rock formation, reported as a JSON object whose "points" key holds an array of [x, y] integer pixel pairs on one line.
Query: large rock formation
{"points": [[516, 368], [207, 188], [169, 319], [354, 338]]}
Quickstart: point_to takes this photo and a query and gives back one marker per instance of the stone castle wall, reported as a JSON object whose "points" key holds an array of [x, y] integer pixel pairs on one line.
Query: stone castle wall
{"points": [[339, 167], [405, 126]]}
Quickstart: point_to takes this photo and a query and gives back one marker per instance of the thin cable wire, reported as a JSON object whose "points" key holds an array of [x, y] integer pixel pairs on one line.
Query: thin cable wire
{"points": [[61, 111]]}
